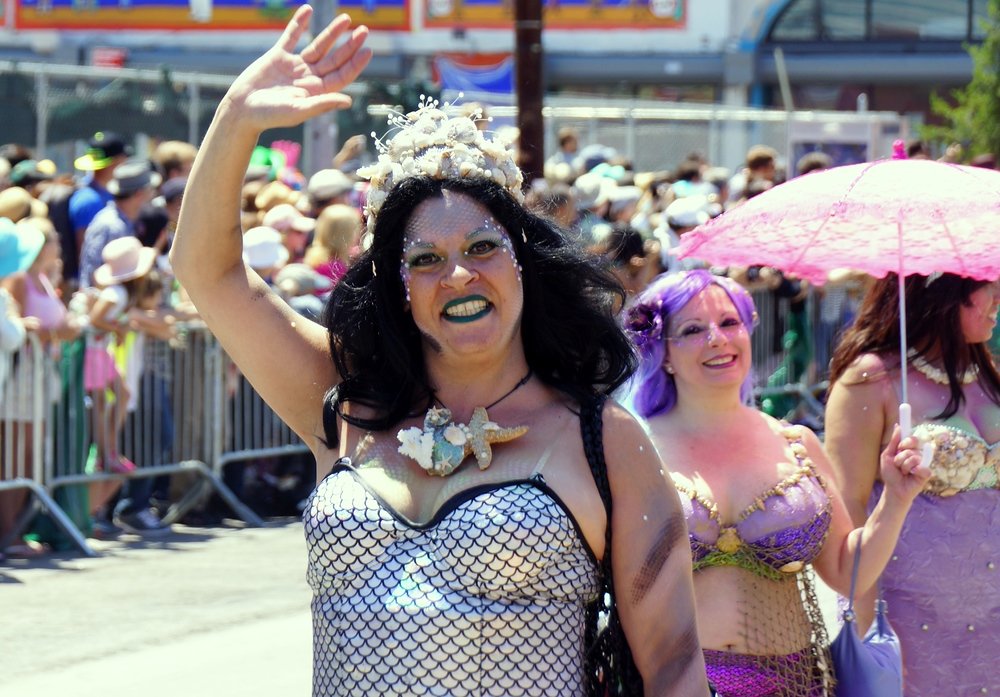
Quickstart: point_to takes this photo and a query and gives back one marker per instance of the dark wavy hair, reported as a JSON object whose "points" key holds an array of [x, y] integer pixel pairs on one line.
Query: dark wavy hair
{"points": [[932, 324], [571, 338]]}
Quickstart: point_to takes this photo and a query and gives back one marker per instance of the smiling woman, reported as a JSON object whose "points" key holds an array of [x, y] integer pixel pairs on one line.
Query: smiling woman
{"points": [[455, 252], [760, 511], [470, 330]]}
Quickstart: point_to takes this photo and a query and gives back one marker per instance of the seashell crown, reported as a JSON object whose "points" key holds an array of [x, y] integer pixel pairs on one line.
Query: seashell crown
{"points": [[430, 143]]}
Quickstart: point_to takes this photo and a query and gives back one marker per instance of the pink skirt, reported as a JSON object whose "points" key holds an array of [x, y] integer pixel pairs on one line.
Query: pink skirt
{"points": [[99, 369]]}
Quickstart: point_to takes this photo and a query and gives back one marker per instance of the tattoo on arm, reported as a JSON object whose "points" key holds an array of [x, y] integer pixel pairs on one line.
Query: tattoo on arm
{"points": [[680, 656], [670, 535]]}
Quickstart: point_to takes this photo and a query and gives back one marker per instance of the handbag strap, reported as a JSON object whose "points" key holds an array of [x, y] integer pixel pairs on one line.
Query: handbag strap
{"points": [[592, 433], [880, 606], [854, 572]]}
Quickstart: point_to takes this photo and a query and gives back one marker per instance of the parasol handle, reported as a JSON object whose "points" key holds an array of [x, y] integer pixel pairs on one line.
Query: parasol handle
{"points": [[905, 420], [906, 428]]}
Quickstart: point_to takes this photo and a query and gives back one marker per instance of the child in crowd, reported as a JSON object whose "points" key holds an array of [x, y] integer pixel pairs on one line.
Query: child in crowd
{"points": [[149, 426], [122, 279]]}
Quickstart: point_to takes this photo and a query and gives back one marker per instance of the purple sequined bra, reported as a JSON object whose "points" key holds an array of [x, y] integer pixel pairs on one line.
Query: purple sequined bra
{"points": [[778, 534]]}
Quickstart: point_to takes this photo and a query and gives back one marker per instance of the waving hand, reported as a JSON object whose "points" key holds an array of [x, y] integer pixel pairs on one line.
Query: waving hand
{"points": [[284, 87]]}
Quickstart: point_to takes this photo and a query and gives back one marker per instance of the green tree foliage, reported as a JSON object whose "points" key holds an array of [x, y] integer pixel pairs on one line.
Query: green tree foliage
{"points": [[971, 116]]}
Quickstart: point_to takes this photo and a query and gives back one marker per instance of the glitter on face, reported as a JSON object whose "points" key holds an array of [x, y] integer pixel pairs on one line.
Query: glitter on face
{"points": [[420, 255]]}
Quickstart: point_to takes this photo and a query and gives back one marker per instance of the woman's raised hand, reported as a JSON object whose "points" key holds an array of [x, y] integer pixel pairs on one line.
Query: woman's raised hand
{"points": [[284, 87], [902, 467]]}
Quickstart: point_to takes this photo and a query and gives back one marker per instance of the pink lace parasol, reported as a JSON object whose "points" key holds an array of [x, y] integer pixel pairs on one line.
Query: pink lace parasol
{"points": [[902, 216], [889, 216]]}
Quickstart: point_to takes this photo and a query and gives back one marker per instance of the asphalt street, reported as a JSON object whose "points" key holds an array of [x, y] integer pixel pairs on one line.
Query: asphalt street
{"points": [[202, 612]]}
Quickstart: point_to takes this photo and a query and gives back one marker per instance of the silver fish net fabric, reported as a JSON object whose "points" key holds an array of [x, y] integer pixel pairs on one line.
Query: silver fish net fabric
{"points": [[487, 598]]}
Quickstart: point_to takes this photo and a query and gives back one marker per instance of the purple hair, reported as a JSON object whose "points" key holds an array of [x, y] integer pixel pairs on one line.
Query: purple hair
{"points": [[652, 391]]}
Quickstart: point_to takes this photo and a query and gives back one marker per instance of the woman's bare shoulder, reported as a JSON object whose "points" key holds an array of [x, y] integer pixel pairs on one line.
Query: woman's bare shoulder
{"points": [[869, 368]]}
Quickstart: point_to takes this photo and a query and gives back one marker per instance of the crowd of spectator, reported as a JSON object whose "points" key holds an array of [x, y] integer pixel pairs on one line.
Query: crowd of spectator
{"points": [[83, 257]]}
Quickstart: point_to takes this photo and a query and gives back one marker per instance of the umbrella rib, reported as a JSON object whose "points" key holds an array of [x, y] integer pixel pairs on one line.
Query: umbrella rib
{"points": [[808, 245], [830, 214], [954, 248]]}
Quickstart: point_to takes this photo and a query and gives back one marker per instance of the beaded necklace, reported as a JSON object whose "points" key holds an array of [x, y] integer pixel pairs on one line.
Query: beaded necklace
{"points": [[937, 375]]}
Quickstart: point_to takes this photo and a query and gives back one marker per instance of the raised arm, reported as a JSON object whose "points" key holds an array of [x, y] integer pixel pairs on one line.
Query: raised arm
{"points": [[651, 563], [284, 356]]}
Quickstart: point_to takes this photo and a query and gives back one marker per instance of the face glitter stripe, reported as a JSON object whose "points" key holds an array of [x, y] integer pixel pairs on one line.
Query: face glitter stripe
{"points": [[415, 247]]}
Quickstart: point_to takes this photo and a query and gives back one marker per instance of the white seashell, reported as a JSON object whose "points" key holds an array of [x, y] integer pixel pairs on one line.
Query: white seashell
{"points": [[429, 142], [455, 435]]}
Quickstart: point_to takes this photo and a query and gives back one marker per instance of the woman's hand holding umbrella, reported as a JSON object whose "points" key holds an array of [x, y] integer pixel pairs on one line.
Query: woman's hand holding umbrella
{"points": [[903, 470]]}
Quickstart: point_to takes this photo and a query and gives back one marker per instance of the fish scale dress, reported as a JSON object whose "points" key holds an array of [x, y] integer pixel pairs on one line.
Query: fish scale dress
{"points": [[942, 583], [487, 598]]}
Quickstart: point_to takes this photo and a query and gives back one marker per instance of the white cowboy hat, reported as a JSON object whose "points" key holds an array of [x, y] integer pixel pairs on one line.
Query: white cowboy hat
{"points": [[124, 259]]}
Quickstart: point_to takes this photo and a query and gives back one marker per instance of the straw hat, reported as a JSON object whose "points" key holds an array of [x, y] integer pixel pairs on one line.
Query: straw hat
{"points": [[328, 184], [275, 194], [15, 203], [124, 259]]}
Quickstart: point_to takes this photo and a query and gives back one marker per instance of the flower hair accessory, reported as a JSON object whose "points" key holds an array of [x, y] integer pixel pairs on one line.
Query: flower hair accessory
{"points": [[430, 143], [644, 324]]}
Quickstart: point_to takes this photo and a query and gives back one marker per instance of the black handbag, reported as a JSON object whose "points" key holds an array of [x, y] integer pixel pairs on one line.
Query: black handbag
{"points": [[869, 667], [610, 669]]}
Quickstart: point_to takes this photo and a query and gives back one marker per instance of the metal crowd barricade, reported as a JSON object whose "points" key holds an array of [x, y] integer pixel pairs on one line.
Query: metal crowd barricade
{"points": [[784, 365], [247, 427], [792, 347], [27, 428], [155, 408], [183, 407]]}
